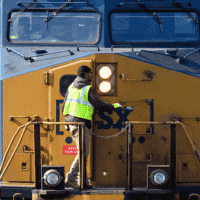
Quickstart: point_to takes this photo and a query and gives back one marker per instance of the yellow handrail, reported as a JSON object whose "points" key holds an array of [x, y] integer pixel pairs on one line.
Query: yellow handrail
{"points": [[20, 139], [186, 129]]}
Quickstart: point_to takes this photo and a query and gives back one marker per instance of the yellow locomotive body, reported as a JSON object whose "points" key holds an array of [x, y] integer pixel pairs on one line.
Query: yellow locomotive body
{"points": [[164, 95], [143, 55]]}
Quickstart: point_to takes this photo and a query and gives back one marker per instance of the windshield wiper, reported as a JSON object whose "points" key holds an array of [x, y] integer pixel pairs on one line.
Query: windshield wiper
{"points": [[154, 15], [22, 10], [55, 13], [39, 52], [16, 52], [182, 60]]}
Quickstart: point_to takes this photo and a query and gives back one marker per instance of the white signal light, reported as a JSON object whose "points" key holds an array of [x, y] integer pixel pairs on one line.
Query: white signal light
{"points": [[52, 178], [105, 86], [105, 72], [159, 177]]}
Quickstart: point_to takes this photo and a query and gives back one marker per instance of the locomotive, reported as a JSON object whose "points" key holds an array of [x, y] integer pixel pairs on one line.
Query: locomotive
{"points": [[144, 55]]}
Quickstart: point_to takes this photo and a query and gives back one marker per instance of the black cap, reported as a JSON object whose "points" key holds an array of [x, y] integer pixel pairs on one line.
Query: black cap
{"points": [[82, 70]]}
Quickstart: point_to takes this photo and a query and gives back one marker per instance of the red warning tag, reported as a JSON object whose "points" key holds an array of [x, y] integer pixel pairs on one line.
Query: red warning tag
{"points": [[70, 150]]}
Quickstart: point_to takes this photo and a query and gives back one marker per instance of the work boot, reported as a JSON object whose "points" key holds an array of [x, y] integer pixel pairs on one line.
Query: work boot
{"points": [[89, 186], [72, 185], [71, 182]]}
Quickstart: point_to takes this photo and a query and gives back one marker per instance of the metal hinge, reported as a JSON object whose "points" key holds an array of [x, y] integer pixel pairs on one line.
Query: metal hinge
{"points": [[48, 78]]}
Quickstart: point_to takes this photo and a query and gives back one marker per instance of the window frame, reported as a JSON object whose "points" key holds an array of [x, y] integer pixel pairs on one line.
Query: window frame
{"points": [[45, 10], [157, 43]]}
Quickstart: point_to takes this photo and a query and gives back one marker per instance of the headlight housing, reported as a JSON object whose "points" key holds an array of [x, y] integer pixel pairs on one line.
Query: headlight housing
{"points": [[106, 79], [52, 178], [159, 177]]}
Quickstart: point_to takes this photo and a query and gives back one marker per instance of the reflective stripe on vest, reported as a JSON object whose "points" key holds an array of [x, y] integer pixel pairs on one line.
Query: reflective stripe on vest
{"points": [[77, 103]]}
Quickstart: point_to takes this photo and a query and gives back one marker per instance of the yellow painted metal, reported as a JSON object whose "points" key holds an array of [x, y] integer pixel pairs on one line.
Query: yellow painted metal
{"points": [[20, 166], [24, 95], [96, 197], [187, 168], [28, 95], [175, 95]]}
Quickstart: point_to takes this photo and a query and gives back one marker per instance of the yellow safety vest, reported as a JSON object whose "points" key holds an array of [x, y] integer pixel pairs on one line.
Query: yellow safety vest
{"points": [[77, 103]]}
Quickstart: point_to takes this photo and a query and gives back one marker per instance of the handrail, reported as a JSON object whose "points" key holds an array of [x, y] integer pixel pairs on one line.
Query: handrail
{"points": [[4, 158], [78, 47], [81, 151], [122, 76], [82, 163], [186, 129], [20, 139], [60, 123], [121, 46]]}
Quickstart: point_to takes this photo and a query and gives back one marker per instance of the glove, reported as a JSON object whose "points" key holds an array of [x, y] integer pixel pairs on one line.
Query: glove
{"points": [[117, 105]]}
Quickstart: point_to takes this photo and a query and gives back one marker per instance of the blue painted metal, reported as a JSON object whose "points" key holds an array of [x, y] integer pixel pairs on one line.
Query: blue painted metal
{"points": [[141, 139], [68, 140], [109, 121], [15, 65]]}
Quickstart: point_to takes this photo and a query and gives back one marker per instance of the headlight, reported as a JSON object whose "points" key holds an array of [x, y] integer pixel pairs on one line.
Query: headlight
{"points": [[105, 72], [105, 79], [159, 177], [105, 86], [52, 178]]}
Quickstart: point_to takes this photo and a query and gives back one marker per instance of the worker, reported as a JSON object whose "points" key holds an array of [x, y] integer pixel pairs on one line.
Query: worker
{"points": [[80, 100]]}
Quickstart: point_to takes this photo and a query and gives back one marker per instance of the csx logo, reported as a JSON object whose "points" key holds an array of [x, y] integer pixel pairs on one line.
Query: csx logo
{"points": [[109, 121], [100, 124]]}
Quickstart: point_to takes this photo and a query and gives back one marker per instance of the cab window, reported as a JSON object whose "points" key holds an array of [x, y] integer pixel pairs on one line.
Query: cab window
{"points": [[154, 27], [65, 27]]}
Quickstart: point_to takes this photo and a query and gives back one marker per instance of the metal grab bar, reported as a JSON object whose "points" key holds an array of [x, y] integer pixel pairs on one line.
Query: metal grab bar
{"points": [[82, 152], [78, 47], [18, 194], [129, 157], [186, 129], [20, 139], [150, 77], [60, 123], [37, 150], [172, 149]]}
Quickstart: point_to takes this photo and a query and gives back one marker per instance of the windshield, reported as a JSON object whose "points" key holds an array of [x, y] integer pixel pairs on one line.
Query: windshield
{"points": [[154, 27], [66, 27]]}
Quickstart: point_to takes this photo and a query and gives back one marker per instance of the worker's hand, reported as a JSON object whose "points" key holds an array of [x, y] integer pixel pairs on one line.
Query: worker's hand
{"points": [[117, 105]]}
